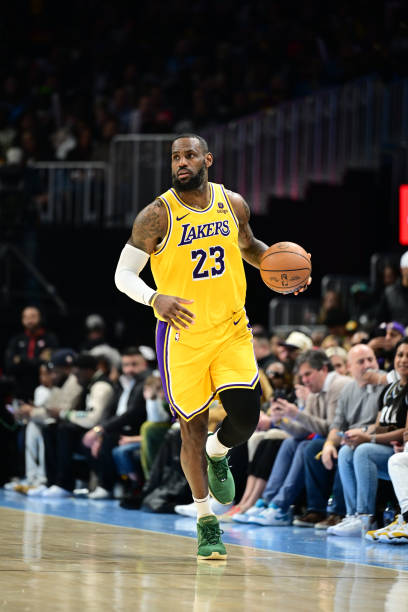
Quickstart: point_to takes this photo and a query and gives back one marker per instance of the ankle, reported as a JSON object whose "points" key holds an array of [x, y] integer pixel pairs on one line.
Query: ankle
{"points": [[203, 506], [214, 447]]}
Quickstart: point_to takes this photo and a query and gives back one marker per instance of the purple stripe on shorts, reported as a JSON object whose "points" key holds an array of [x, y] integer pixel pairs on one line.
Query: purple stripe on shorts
{"points": [[160, 352], [238, 384]]}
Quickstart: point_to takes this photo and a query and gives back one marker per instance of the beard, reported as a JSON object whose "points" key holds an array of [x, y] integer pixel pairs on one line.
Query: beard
{"points": [[193, 183]]}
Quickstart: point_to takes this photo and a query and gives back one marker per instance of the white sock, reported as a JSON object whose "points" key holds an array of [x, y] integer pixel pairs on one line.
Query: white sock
{"points": [[214, 447], [203, 506]]}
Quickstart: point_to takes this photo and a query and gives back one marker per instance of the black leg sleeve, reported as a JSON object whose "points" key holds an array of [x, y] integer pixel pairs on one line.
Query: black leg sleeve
{"points": [[242, 407]]}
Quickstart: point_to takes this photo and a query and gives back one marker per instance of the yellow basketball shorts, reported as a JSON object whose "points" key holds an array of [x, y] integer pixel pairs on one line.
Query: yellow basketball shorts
{"points": [[195, 367]]}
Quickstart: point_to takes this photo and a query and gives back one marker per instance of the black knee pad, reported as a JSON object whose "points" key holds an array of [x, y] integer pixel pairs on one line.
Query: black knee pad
{"points": [[242, 407]]}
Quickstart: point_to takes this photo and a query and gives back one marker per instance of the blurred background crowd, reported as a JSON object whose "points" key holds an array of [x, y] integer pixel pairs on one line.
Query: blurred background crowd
{"points": [[69, 84]]}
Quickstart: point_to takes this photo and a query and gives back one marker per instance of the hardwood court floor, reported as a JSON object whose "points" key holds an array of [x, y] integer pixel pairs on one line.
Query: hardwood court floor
{"points": [[48, 563]]}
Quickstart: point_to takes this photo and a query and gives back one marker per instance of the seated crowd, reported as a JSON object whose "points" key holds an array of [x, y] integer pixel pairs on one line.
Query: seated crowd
{"points": [[334, 421]]}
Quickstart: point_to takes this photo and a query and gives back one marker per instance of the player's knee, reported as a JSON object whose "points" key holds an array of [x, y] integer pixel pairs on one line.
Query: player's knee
{"points": [[242, 408], [250, 419]]}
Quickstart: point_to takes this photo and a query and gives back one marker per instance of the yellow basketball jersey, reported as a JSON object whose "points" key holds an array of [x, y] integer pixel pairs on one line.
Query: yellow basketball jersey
{"points": [[199, 259]]}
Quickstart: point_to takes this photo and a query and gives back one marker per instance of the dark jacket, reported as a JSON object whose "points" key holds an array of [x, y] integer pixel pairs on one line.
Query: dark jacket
{"points": [[22, 359], [129, 422], [394, 304]]}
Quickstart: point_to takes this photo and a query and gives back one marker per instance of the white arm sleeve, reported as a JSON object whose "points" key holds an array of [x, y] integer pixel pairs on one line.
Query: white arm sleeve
{"points": [[131, 263]]}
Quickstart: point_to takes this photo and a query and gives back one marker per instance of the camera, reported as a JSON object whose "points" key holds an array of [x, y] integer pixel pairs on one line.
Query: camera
{"points": [[279, 394]]}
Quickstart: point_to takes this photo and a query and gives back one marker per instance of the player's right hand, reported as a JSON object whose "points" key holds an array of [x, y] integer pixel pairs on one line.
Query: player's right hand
{"points": [[171, 309]]}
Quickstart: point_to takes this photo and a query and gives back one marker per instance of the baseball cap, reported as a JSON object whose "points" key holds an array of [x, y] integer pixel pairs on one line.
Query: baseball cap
{"points": [[94, 321], [147, 352], [404, 260], [337, 351], [297, 340], [397, 326], [86, 361], [62, 357]]}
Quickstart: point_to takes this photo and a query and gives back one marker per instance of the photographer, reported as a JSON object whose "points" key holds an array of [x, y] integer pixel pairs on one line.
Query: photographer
{"points": [[281, 380]]}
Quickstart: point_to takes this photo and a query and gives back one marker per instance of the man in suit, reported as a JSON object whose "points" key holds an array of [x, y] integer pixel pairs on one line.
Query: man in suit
{"points": [[286, 480]]}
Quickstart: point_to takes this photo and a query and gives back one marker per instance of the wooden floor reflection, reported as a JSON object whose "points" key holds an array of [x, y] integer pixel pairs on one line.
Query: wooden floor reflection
{"points": [[50, 563]]}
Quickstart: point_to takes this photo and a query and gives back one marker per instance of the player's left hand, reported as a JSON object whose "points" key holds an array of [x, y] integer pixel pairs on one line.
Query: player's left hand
{"points": [[302, 289]]}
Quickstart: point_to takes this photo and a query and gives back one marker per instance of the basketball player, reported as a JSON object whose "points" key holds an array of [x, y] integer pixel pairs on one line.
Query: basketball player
{"points": [[196, 235]]}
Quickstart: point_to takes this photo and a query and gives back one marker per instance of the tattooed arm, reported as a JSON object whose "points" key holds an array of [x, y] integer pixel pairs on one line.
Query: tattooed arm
{"points": [[148, 231], [251, 248], [149, 227]]}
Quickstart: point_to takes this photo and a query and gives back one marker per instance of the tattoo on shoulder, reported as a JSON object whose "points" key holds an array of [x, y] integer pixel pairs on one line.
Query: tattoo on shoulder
{"points": [[240, 207], [150, 226], [246, 210]]}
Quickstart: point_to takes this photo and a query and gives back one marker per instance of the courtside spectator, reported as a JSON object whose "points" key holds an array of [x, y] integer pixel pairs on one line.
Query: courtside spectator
{"points": [[364, 456], [397, 531], [286, 480], [393, 304], [356, 407], [127, 416], [26, 350], [338, 358], [94, 404]]}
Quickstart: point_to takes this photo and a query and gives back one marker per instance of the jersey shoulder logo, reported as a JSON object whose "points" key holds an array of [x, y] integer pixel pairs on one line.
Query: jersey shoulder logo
{"points": [[180, 218], [221, 208]]}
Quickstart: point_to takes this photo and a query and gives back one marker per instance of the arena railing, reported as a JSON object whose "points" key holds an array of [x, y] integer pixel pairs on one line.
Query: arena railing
{"points": [[276, 152], [316, 138], [286, 311], [76, 192], [139, 171]]}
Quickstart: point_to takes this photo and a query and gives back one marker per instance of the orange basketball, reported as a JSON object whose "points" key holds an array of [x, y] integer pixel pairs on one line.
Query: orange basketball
{"points": [[285, 267]]}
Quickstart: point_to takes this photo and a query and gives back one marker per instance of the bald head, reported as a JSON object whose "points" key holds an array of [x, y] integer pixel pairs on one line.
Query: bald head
{"points": [[360, 359], [31, 318]]}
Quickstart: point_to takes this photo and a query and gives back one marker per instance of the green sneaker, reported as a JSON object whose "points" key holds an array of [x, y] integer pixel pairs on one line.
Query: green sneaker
{"points": [[210, 545], [220, 480]]}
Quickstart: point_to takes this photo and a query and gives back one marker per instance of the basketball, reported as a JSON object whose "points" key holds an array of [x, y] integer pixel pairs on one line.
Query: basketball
{"points": [[285, 267]]}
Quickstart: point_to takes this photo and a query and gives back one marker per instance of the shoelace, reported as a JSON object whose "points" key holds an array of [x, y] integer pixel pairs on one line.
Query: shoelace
{"points": [[212, 533], [221, 469]]}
